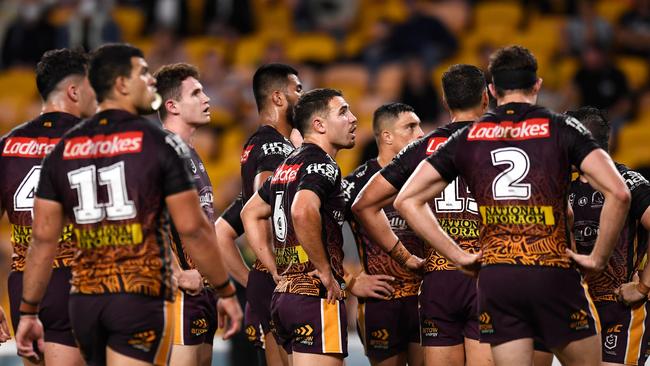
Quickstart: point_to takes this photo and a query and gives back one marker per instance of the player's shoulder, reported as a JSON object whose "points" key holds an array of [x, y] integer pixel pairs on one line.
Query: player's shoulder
{"points": [[364, 171], [632, 178], [315, 160]]}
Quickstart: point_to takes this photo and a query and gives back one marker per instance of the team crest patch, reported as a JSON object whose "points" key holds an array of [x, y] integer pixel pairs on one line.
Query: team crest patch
{"points": [[143, 341], [610, 341]]}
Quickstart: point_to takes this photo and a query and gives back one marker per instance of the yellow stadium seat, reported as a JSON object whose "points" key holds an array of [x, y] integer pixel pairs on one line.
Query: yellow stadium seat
{"points": [[635, 69], [612, 10], [144, 44], [312, 47], [273, 17], [18, 82], [503, 13], [351, 79], [249, 50], [197, 47], [130, 20]]}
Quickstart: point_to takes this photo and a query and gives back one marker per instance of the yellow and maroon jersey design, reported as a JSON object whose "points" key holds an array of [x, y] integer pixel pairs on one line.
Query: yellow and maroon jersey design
{"points": [[374, 259], [309, 168], [455, 208], [112, 174], [263, 151], [21, 153], [204, 188], [587, 204], [517, 163]]}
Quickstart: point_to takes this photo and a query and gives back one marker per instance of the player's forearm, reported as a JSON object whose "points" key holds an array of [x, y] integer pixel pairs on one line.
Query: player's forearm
{"points": [[612, 219], [308, 227], [257, 230], [201, 245], [368, 208], [377, 226], [38, 269], [235, 264]]}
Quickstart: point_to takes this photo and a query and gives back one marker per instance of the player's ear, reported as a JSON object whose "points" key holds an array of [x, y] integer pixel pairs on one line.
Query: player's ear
{"points": [[493, 89], [170, 107], [538, 85], [386, 136], [72, 92], [319, 125], [121, 85], [277, 98]]}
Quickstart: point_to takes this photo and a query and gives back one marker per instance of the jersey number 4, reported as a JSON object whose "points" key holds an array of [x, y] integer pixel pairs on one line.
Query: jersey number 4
{"points": [[24, 195], [89, 210]]}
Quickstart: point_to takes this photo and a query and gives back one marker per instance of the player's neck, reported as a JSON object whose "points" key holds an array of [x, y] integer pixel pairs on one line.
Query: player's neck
{"points": [[58, 105], [466, 115], [273, 118], [517, 98], [385, 156], [117, 104], [176, 125]]}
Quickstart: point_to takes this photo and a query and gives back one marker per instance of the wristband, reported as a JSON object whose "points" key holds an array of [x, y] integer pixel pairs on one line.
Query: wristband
{"points": [[226, 290], [643, 289], [349, 282], [399, 253], [28, 313], [223, 285], [28, 307]]}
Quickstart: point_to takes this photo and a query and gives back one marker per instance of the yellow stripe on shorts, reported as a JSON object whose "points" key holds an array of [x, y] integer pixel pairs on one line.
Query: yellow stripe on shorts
{"points": [[330, 320], [635, 335], [165, 346]]}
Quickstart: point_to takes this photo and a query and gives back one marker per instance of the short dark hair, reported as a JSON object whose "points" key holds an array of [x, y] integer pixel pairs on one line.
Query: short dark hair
{"points": [[595, 121], [463, 86], [315, 101], [56, 65], [107, 63], [168, 82], [388, 112], [268, 78], [509, 59]]}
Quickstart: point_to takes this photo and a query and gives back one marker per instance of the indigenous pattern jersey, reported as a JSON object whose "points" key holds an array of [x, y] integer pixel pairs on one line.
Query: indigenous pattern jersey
{"points": [[587, 204], [517, 163], [307, 168], [232, 215], [454, 208], [375, 260], [22, 151], [112, 174], [204, 188], [264, 151]]}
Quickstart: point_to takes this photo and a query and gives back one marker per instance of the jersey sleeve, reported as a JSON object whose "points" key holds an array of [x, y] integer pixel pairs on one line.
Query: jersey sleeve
{"points": [[232, 215], [443, 158], [350, 192], [319, 178], [269, 156], [265, 190], [47, 183], [398, 171], [174, 158], [577, 139], [640, 189]]}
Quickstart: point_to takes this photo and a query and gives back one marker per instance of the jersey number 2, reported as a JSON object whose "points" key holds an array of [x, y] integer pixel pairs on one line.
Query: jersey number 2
{"points": [[89, 210], [507, 185]]}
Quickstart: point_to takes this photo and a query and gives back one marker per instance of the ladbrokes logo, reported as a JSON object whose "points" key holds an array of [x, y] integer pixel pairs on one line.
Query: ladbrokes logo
{"points": [[29, 147], [434, 144], [245, 154], [285, 173], [103, 146], [529, 129]]}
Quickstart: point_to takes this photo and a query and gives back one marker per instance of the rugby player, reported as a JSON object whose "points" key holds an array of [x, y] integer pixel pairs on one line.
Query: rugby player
{"points": [[389, 326], [276, 88], [516, 162], [305, 199], [185, 108], [228, 228], [62, 82], [624, 337], [115, 176], [448, 304]]}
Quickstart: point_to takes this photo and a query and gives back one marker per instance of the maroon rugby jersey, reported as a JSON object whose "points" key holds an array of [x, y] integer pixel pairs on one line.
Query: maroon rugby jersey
{"points": [[587, 204], [308, 167], [22, 151], [374, 259], [204, 188], [454, 208], [112, 174], [263, 151], [232, 215], [517, 163]]}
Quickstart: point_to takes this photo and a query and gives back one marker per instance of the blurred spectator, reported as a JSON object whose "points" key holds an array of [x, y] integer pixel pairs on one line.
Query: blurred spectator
{"points": [[228, 17], [169, 14], [633, 34], [586, 28], [418, 91], [332, 16], [167, 48], [28, 36], [90, 26], [376, 51], [600, 83]]}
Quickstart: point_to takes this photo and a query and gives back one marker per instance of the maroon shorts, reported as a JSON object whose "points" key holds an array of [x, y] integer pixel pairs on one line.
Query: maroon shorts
{"points": [[448, 309], [386, 327], [253, 327], [258, 294], [136, 326], [625, 333], [308, 324], [196, 318], [53, 311], [548, 304]]}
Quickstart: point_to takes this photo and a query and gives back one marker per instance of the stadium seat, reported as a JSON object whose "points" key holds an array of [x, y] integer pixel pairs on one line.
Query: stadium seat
{"points": [[130, 20], [318, 47], [635, 69], [197, 47], [351, 79], [497, 13], [612, 10], [249, 50]]}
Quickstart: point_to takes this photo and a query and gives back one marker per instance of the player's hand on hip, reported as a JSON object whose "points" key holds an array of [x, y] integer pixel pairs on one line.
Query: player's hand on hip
{"points": [[629, 293], [470, 263], [4, 327], [414, 263], [191, 281], [376, 286], [30, 331], [276, 277], [229, 315], [588, 263], [334, 291]]}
